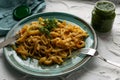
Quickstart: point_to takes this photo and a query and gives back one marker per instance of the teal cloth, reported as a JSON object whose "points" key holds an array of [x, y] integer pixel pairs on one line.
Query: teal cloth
{"points": [[6, 16]]}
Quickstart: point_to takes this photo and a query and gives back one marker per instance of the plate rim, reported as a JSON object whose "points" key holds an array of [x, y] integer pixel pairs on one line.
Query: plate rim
{"points": [[85, 60]]}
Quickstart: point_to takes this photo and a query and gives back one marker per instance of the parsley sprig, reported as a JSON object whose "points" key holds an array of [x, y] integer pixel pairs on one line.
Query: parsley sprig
{"points": [[49, 24]]}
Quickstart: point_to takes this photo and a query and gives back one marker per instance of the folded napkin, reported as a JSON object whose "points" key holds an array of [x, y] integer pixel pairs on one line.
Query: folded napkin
{"points": [[6, 12]]}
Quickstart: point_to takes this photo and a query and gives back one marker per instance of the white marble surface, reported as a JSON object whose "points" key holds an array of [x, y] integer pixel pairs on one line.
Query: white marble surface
{"points": [[95, 69]]}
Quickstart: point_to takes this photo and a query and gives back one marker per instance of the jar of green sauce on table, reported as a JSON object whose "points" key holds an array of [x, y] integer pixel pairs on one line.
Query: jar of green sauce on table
{"points": [[103, 16]]}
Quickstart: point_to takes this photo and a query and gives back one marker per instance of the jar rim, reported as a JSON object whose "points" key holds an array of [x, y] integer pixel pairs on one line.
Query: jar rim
{"points": [[113, 8]]}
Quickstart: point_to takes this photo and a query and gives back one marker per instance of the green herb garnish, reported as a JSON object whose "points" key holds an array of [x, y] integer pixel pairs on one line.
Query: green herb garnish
{"points": [[44, 30], [49, 25]]}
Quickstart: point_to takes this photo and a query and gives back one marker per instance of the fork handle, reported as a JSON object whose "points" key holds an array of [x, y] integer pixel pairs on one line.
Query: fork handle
{"points": [[108, 61]]}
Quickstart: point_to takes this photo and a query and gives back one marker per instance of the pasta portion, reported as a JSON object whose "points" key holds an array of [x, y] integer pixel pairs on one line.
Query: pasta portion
{"points": [[49, 40]]}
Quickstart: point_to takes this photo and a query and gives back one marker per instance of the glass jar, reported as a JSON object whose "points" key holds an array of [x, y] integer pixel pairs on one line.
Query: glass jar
{"points": [[103, 16]]}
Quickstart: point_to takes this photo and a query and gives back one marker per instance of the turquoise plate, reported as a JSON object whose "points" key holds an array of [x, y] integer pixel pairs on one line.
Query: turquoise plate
{"points": [[32, 67]]}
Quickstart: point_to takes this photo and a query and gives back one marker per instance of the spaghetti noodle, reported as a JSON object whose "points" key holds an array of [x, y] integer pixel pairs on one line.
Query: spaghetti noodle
{"points": [[49, 40]]}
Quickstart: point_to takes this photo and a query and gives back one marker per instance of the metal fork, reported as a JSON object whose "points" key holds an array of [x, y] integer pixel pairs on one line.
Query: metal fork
{"points": [[90, 52], [93, 52], [9, 40]]}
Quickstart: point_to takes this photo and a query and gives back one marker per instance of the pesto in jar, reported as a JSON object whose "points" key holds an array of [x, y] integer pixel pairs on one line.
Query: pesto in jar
{"points": [[103, 16]]}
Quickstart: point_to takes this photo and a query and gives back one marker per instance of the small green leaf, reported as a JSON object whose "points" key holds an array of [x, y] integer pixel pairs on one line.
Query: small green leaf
{"points": [[49, 25], [44, 30]]}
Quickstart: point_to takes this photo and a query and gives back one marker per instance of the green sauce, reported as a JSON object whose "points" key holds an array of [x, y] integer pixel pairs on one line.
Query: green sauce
{"points": [[103, 16], [105, 6], [21, 12]]}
